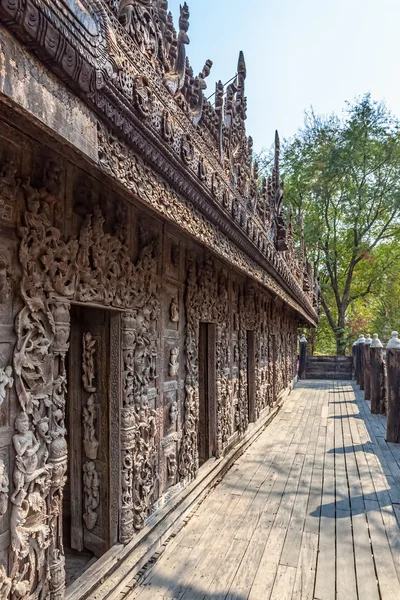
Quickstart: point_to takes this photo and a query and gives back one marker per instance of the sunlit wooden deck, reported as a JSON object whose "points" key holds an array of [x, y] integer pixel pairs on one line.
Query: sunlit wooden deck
{"points": [[308, 512]]}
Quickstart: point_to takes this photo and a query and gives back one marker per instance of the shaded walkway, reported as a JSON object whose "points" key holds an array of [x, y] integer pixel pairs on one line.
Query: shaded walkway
{"points": [[308, 512]]}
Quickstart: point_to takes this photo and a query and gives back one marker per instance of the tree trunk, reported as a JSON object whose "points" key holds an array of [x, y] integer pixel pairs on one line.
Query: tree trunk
{"points": [[340, 332]]}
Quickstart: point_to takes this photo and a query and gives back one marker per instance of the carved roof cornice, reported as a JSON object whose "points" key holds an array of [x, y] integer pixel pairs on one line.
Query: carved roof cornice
{"points": [[90, 50]]}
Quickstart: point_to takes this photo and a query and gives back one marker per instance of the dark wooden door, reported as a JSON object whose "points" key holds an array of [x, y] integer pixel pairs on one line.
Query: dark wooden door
{"points": [[88, 408], [207, 392]]}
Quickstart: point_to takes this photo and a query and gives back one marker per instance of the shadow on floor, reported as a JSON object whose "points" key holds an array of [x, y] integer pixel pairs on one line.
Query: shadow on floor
{"points": [[183, 591], [361, 504]]}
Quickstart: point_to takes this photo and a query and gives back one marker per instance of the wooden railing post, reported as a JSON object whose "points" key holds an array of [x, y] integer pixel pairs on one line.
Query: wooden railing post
{"points": [[377, 376], [393, 388], [360, 366], [354, 365], [367, 368], [303, 357]]}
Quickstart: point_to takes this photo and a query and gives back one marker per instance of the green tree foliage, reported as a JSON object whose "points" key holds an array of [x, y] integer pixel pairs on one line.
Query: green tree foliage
{"points": [[344, 174]]}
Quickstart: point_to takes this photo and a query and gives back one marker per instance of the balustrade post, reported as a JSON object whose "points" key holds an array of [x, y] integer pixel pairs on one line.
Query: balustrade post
{"points": [[354, 365], [303, 357], [377, 380], [393, 388], [360, 366], [367, 367]]}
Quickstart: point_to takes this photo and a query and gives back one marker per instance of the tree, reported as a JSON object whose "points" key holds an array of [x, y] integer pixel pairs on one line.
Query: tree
{"points": [[344, 175]]}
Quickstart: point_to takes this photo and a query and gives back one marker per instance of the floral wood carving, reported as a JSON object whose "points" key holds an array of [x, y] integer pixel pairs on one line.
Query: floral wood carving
{"points": [[4, 489], [93, 267], [6, 381], [131, 171], [138, 437]]}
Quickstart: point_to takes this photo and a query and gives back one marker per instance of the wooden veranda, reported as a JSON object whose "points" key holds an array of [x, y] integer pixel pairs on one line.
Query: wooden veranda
{"points": [[310, 511]]}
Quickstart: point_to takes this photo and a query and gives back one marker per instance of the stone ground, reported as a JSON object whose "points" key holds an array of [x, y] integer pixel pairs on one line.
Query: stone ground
{"points": [[308, 512]]}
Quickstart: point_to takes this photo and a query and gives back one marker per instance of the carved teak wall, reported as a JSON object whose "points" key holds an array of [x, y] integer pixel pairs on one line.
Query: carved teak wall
{"points": [[149, 295]]}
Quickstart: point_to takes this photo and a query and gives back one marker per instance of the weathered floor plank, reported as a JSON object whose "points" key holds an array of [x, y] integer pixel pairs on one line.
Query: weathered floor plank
{"points": [[310, 512]]}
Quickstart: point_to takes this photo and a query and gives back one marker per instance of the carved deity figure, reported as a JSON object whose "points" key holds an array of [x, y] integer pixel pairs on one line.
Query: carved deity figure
{"points": [[90, 442], [9, 187], [174, 311], [91, 486], [89, 348], [4, 489], [172, 466], [44, 438], [6, 381], [26, 462], [173, 412], [174, 362]]}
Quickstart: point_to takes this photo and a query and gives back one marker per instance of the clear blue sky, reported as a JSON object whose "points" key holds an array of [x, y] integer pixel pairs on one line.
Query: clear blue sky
{"points": [[298, 53]]}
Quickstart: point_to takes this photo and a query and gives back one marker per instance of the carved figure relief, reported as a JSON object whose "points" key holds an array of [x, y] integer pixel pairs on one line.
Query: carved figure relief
{"points": [[4, 489], [6, 382], [89, 348], [90, 442], [172, 467], [174, 362], [174, 311], [9, 187], [173, 412], [91, 484], [167, 127], [28, 476]]}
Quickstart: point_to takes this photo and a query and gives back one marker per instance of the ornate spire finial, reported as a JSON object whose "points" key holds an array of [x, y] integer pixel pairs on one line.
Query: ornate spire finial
{"points": [[277, 153], [241, 68]]}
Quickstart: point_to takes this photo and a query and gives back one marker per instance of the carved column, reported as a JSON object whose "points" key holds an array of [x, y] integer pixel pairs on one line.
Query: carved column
{"points": [[58, 452], [243, 394], [189, 457], [128, 427], [393, 391], [377, 376]]}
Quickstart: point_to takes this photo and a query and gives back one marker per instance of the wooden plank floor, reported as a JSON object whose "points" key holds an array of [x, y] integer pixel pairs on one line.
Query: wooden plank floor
{"points": [[309, 512]]}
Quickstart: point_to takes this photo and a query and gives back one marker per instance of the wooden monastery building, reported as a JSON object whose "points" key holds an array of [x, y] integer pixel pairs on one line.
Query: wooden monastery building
{"points": [[150, 290]]}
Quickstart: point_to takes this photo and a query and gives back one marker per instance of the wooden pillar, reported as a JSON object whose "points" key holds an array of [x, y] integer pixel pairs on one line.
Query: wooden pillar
{"points": [[360, 366], [303, 357], [354, 365], [367, 368], [377, 378], [393, 391]]}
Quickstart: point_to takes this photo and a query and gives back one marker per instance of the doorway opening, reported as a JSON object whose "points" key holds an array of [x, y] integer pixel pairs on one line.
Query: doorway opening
{"points": [[86, 504], [207, 393]]}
